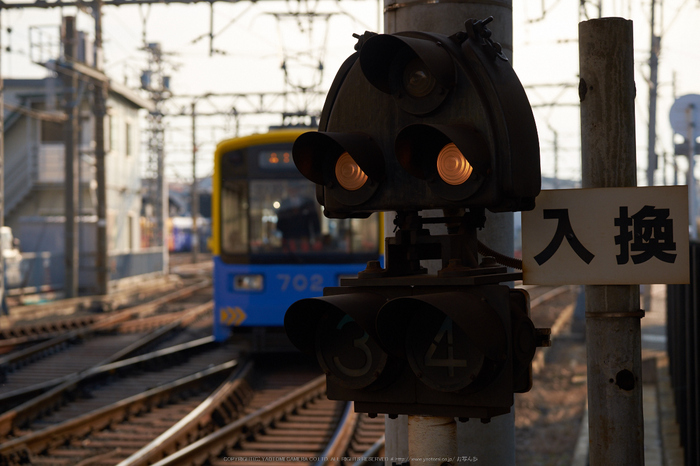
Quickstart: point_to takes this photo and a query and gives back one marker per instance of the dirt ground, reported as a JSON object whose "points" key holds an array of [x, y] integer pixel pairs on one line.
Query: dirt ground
{"points": [[548, 417]]}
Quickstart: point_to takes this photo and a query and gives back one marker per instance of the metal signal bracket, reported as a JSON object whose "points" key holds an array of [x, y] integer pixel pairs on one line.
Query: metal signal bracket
{"points": [[457, 250]]}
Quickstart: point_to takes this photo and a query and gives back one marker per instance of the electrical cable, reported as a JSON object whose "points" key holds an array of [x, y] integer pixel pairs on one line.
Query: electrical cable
{"points": [[502, 259]]}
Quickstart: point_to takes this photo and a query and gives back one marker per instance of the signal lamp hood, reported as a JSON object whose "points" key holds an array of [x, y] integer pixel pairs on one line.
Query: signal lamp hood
{"points": [[417, 73]]}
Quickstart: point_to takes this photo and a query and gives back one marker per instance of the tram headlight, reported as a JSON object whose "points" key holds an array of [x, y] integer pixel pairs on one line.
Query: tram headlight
{"points": [[248, 282]]}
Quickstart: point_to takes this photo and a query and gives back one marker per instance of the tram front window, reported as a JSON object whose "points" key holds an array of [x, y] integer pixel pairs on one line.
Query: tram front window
{"points": [[234, 217], [286, 219]]}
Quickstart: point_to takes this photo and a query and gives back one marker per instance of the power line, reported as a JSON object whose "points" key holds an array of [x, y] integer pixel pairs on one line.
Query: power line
{"points": [[81, 4]]}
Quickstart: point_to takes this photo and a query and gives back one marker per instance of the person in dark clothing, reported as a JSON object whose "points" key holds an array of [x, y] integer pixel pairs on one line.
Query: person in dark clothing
{"points": [[297, 220]]}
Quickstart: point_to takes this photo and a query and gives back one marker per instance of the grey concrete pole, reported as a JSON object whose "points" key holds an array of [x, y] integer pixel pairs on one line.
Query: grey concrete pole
{"points": [[70, 132], [432, 439], [449, 17], [492, 443], [100, 110], [396, 439], [653, 85], [396, 429], [690, 175], [613, 334], [2, 165], [195, 195]]}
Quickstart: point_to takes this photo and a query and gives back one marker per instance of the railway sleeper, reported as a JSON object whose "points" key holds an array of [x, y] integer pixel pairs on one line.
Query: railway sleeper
{"points": [[54, 398], [111, 419]]}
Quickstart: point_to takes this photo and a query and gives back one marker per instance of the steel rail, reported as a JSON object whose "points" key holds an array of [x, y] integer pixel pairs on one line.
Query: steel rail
{"points": [[151, 306], [47, 401], [25, 394], [20, 448], [188, 428], [230, 435], [13, 325], [104, 323], [173, 323], [341, 439], [372, 452]]}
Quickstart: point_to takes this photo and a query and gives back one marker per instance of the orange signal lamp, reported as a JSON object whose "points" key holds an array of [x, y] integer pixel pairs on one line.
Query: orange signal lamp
{"points": [[348, 173], [453, 168]]}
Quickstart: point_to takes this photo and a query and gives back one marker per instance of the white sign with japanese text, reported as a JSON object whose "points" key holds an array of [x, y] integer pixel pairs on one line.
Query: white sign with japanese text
{"points": [[607, 236]]}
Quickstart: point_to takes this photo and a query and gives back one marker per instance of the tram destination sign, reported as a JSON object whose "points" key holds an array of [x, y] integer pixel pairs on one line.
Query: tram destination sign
{"points": [[607, 236]]}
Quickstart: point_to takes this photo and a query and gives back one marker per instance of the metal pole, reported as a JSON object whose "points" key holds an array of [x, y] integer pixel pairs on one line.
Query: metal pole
{"points": [[493, 442], [692, 185], [162, 186], [653, 82], [100, 94], [396, 439], [70, 86], [156, 87], [556, 159], [613, 334], [195, 195], [2, 168], [652, 158]]}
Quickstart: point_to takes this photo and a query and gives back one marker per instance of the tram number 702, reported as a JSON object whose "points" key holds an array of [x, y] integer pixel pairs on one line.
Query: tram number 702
{"points": [[301, 282]]}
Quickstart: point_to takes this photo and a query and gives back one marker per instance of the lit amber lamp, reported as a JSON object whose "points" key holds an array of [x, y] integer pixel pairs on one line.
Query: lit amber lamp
{"points": [[453, 168], [348, 173]]}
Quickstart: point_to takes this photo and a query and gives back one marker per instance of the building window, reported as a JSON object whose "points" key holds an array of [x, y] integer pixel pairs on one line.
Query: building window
{"points": [[132, 225], [51, 131], [109, 137], [128, 139]]}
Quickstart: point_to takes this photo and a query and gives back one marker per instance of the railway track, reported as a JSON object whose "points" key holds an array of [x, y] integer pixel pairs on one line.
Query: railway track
{"points": [[52, 323], [33, 321], [213, 411], [33, 370], [304, 433], [108, 383], [257, 413], [280, 426], [110, 433]]}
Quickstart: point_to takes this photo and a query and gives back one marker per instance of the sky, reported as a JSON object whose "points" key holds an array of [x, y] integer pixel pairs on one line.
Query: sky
{"points": [[253, 40]]}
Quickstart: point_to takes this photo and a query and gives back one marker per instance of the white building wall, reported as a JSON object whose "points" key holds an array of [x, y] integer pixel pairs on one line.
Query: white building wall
{"points": [[42, 165], [124, 182]]}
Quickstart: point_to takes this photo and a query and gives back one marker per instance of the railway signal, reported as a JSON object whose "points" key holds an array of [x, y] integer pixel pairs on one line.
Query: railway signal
{"points": [[462, 352], [417, 121]]}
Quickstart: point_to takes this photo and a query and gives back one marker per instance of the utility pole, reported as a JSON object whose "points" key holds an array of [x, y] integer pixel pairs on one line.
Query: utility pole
{"points": [[652, 157], [69, 36], [673, 157], [495, 440], [555, 148], [2, 168], [195, 195], [653, 83], [613, 334], [100, 95], [690, 175], [154, 81], [70, 81]]}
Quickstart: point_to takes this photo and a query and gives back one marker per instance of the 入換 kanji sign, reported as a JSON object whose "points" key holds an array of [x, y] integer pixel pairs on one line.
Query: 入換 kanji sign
{"points": [[607, 236]]}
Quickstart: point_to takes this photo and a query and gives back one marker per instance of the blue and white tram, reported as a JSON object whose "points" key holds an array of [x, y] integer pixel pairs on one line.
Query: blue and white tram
{"points": [[272, 245]]}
